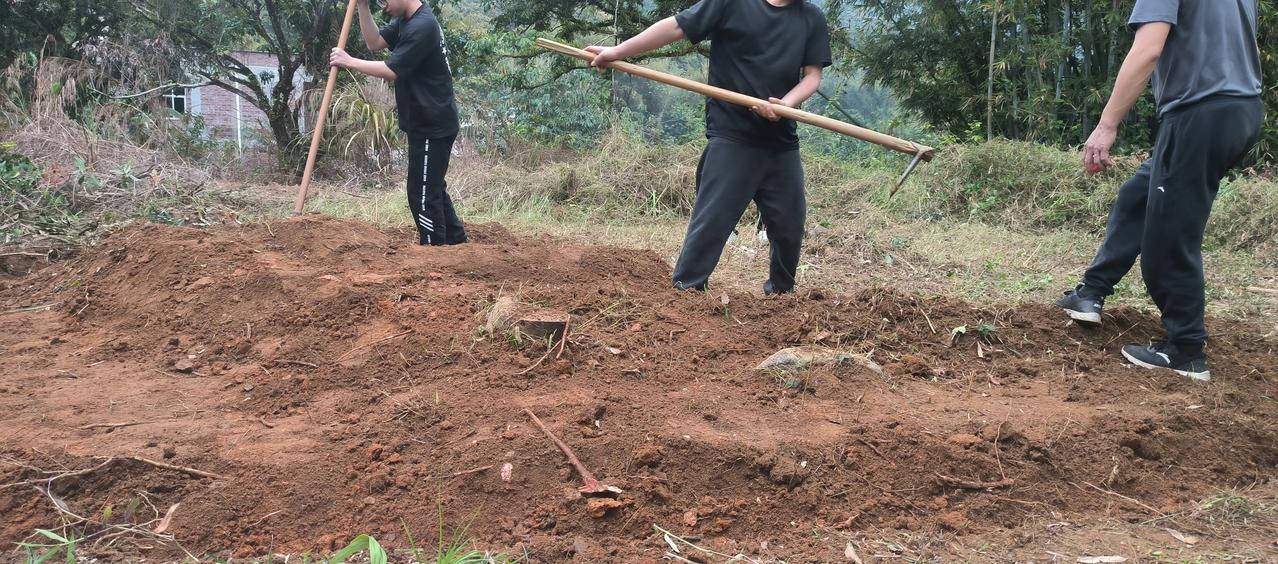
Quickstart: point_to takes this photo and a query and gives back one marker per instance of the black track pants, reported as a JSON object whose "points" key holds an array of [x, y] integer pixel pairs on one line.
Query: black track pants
{"points": [[437, 223], [730, 176], [1161, 213]]}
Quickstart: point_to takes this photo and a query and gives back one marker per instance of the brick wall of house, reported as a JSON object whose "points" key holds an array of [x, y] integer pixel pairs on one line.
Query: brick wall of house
{"points": [[246, 124]]}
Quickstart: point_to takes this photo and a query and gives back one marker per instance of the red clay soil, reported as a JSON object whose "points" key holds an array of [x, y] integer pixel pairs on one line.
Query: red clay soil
{"points": [[338, 381]]}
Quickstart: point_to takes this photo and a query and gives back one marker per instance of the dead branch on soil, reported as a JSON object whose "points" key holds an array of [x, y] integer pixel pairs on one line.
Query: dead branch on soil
{"points": [[1123, 497], [536, 364], [92, 426], [563, 341], [110, 460], [372, 344], [48, 481], [875, 449], [184, 469], [974, 485], [32, 309], [590, 484]]}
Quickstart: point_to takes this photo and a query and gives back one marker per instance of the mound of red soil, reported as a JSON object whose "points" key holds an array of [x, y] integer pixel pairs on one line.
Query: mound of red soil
{"points": [[340, 381]]}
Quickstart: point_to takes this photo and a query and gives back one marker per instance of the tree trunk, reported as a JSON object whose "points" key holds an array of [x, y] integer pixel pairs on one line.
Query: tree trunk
{"points": [[989, 84]]}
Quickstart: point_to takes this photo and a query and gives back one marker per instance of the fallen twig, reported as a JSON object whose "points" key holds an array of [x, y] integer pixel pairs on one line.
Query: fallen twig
{"points": [[262, 419], [1121, 496], [372, 344], [874, 448], [297, 362], [536, 364], [191, 471], [112, 425], [1260, 290], [929, 320], [563, 341], [974, 485], [32, 309], [50, 479]]}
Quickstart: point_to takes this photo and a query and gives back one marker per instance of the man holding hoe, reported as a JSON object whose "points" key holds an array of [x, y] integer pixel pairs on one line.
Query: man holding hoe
{"points": [[770, 49], [1205, 63], [425, 104]]}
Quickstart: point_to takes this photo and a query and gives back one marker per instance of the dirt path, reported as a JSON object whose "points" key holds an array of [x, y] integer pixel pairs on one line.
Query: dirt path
{"points": [[339, 382]]}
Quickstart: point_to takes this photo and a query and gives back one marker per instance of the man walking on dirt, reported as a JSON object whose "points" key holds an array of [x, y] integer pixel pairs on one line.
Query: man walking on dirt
{"points": [[425, 104], [1205, 63], [770, 49]]}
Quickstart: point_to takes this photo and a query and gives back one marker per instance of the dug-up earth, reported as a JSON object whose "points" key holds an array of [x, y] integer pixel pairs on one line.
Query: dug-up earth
{"points": [[285, 387]]}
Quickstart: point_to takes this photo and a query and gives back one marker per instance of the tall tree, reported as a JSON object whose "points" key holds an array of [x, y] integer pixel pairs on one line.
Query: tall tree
{"points": [[1050, 72], [206, 33]]}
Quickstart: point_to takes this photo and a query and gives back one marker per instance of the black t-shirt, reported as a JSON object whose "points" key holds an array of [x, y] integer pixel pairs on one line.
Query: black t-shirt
{"points": [[760, 50], [424, 87]]}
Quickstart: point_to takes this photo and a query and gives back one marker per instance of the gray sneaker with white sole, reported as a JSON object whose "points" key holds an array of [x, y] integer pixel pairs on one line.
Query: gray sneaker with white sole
{"points": [[1165, 356], [1082, 307]]}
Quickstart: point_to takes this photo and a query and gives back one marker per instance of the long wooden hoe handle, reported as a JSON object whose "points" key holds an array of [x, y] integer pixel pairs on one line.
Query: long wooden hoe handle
{"points": [[323, 114], [922, 152]]}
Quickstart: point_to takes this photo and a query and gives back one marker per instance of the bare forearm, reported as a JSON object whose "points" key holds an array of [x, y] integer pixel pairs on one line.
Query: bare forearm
{"points": [[368, 28], [805, 89], [1132, 80], [659, 35], [1135, 72], [372, 68]]}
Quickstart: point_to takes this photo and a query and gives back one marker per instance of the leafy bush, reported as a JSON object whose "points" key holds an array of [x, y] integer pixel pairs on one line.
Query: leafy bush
{"points": [[1016, 184]]}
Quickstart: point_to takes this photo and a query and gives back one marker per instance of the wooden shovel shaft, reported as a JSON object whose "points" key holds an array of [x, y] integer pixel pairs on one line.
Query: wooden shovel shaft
{"points": [[739, 99], [322, 116]]}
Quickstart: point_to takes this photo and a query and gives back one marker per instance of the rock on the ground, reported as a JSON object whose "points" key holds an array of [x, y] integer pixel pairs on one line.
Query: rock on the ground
{"points": [[800, 358], [598, 507]]}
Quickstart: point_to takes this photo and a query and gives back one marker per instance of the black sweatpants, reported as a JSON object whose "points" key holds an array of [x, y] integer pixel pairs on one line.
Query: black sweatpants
{"points": [[729, 177], [1161, 213], [437, 223]]}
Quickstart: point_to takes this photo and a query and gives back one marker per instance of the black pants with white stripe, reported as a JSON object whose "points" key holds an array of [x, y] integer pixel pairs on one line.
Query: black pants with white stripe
{"points": [[437, 223], [1161, 214]]}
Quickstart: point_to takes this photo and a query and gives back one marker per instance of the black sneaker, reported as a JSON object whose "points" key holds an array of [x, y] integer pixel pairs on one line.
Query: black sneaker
{"points": [[1165, 355], [1081, 307], [770, 290]]}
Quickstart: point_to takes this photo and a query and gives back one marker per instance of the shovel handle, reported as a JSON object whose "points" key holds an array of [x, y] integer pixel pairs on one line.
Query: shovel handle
{"points": [[318, 133]]}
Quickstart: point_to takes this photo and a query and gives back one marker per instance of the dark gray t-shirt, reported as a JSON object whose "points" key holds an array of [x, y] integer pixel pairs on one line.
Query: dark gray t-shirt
{"points": [[1211, 50]]}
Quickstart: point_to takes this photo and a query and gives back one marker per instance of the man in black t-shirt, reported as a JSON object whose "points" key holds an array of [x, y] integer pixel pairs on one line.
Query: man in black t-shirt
{"points": [[425, 105], [770, 49]]}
